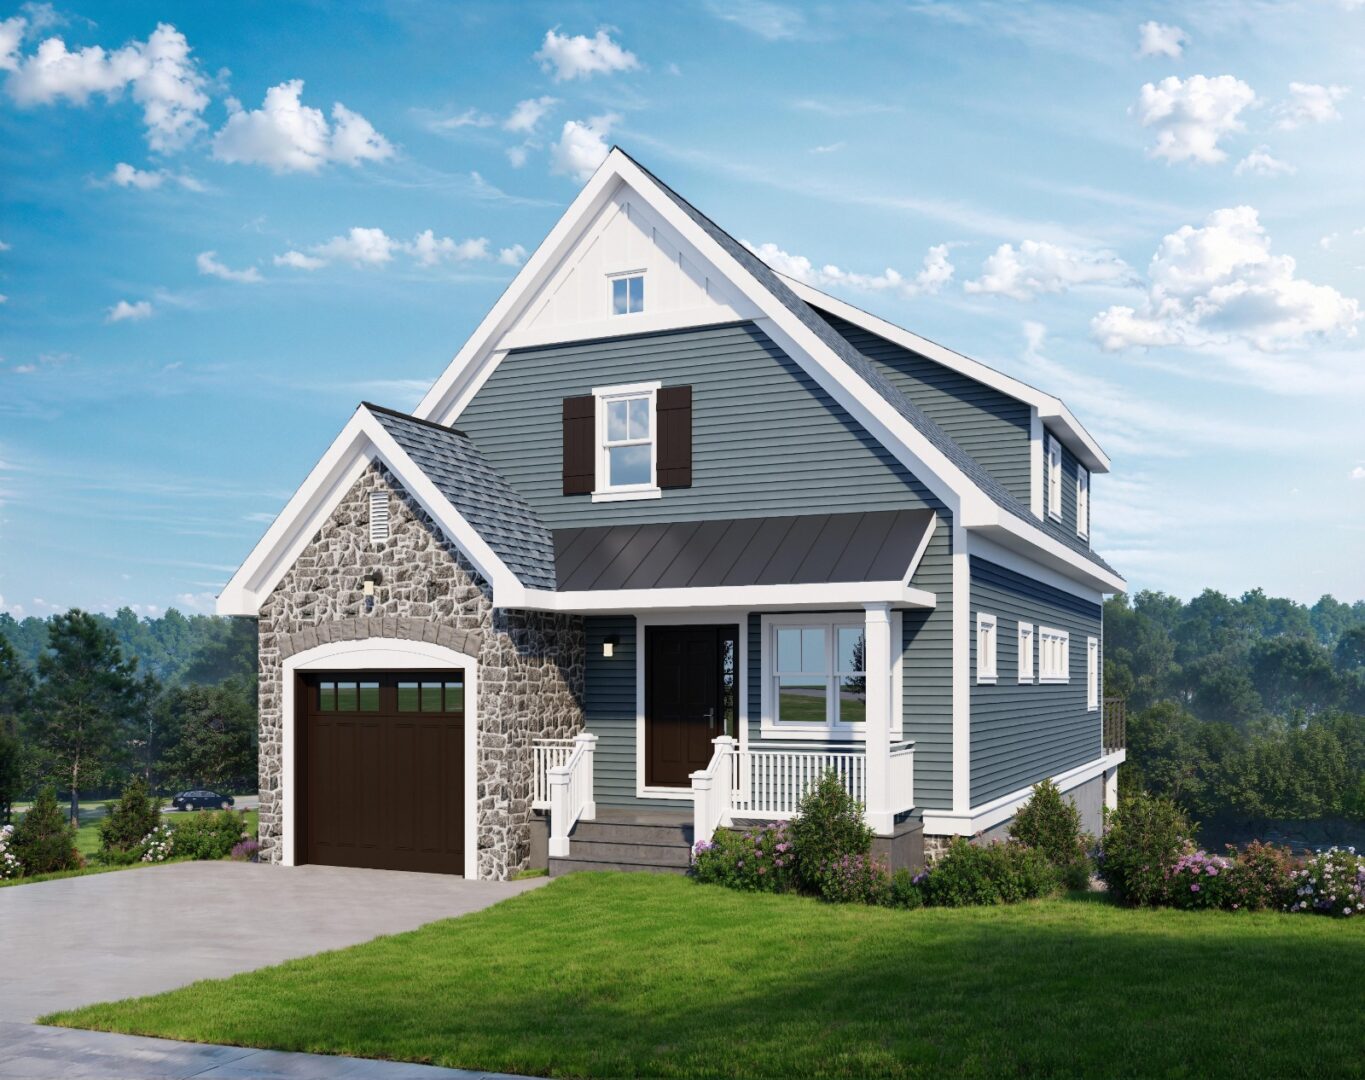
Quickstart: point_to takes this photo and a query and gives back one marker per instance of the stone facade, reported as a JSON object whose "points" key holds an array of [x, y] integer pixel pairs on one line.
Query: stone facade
{"points": [[531, 664]]}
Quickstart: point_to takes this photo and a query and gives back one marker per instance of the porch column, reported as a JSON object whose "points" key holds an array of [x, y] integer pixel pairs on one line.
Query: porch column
{"points": [[877, 662]]}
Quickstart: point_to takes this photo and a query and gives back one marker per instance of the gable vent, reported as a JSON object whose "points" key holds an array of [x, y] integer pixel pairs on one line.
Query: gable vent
{"points": [[379, 516]]}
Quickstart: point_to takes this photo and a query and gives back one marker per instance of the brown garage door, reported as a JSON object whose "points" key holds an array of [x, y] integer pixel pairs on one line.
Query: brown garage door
{"points": [[382, 764]]}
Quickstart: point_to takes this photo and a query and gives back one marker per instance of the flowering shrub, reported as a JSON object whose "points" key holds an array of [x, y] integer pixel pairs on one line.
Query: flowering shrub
{"points": [[1052, 825], [1260, 878], [1333, 883], [971, 874], [907, 890], [1199, 880], [828, 827], [44, 841], [9, 862], [755, 860], [1145, 838], [127, 823], [209, 836], [157, 845], [855, 879], [246, 851]]}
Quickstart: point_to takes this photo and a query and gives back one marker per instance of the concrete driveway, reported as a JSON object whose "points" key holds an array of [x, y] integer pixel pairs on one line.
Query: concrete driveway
{"points": [[108, 936]]}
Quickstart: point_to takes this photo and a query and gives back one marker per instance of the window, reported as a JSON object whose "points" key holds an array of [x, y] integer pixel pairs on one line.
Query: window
{"points": [[348, 697], [817, 673], [626, 441], [379, 516], [431, 695], [1054, 655], [628, 294], [985, 648], [1054, 477], [1026, 652], [1092, 674], [1082, 501]]}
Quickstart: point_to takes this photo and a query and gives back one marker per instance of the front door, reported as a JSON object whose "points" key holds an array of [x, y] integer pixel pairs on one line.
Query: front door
{"points": [[690, 698]]}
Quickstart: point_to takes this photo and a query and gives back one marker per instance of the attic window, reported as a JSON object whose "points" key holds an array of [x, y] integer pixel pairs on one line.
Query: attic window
{"points": [[379, 516], [628, 294]]}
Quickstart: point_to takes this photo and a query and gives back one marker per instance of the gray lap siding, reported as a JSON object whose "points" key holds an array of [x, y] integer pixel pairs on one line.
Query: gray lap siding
{"points": [[1024, 732], [1067, 526]]}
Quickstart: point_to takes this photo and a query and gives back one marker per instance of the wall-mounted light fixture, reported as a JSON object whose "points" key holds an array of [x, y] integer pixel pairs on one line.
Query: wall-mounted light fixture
{"points": [[609, 646], [367, 587]]}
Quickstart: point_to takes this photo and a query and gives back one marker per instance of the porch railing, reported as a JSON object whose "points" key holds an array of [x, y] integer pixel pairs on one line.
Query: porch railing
{"points": [[546, 754], [713, 790], [1115, 724], [571, 794]]}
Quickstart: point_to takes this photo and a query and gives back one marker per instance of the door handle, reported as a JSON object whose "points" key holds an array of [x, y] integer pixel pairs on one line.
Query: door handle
{"points": [[711, 717]]}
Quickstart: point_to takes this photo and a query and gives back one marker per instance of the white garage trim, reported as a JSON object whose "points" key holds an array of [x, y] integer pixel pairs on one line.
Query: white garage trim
{"points": [[380, 654]]}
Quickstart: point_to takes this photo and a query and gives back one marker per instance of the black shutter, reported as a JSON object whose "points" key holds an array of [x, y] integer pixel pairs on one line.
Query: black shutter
{"points": [[580, 473], [674, 407]]}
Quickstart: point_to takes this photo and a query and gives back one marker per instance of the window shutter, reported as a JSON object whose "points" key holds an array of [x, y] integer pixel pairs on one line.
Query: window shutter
{"points": [[673, 407], [580, 423]]}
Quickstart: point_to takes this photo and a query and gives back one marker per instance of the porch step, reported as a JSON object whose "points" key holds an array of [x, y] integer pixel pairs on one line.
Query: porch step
{"points": [[569, 866], [631, 841], [607, 831], [647, 854]]}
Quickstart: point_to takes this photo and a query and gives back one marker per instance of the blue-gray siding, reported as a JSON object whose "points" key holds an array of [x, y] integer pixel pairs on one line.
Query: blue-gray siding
{"points": [[1066, 528], [990, 425], [1024, 732]]}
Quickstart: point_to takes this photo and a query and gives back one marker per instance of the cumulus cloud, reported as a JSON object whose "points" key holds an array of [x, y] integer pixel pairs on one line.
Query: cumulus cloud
{"points": [[1260, 163], [360, 247], [374, 247], [297, 260], [285, 135], [1037, 266], [935, 272], [208, 263], [1218, 283], [1309, 103], [123, 311], [512, 256], [429, 250], [125, 175], [527, 114], [582, 146], [1158, 39], [581, 57], [1190, 116], [517, 156]]}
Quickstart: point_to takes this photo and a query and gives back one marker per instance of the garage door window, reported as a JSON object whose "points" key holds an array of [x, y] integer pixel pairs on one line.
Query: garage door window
{"points": [[431, 697], [348, 697]]}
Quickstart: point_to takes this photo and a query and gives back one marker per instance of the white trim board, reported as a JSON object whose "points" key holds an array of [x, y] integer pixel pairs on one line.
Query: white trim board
{"points": [[379, 654]]}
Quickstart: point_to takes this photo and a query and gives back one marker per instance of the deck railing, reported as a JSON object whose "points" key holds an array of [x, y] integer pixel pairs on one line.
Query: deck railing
{"points": [[571, 794], [1115, 724], [546, 754]]}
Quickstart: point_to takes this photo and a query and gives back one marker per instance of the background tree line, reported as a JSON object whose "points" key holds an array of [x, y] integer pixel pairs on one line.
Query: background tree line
{"points": [[1242, 709], [88, 700]]}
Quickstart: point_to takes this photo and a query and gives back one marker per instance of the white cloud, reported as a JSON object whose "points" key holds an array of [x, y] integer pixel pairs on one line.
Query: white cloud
{"points": [[285, 135], [1309, 103], [471, 117], [1260, 163], [1158, 39], [829, 148], [512, 256], [299, 261], [1219, 283], [1358, 473], [428, 250], [124, 311], [582, 146], [11, 37], [517, 156], [1037, 266], [374, 247], [4, 299], [582, 57], [208, 263], [203, 603], [160, 73], [125, 175], [360, 247], [935, 272], [527, 114], [1191, 115], [774, 22]]}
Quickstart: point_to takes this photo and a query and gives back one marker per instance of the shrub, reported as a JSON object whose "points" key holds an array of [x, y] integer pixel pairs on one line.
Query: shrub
{"points": [[128, 822], [755, 860], [1199, 880], [1260, 878], [9, 862], [973, 874], [1332, 883], [855, 879], [828, 827], [246, 851], [208, 835], [1050, 823], [44, 841], [1145, 838], [906, 891], [158, 845]]}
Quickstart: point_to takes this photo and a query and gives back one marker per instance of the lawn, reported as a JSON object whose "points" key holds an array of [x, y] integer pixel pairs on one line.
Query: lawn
{"points": [[619, 975]]}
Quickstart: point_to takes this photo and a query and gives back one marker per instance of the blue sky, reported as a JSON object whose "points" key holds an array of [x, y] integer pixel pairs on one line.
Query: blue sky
{"points": [[1155, 211]]}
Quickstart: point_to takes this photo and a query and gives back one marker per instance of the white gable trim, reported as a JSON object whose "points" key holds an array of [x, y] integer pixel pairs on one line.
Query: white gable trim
{"points": [[1051, 409], [363, 440]]}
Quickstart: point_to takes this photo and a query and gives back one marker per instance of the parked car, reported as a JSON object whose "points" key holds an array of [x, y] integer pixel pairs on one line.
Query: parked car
{"points": [[201, 800]]}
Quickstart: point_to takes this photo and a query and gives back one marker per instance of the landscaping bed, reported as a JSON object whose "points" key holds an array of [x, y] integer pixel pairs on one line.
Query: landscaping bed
{"points": [[612, 975]]}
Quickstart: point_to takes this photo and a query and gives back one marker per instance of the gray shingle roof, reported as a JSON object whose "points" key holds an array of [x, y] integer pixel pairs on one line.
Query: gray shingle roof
{"points": [[489, 503], [867, 370]]}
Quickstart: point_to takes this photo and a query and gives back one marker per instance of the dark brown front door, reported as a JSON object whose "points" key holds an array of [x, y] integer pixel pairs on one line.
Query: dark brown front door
{"points": [[382, 770], [690, 688]]}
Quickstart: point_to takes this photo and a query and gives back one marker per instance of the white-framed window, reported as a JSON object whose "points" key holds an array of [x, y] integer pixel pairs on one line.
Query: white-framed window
{"points": [[626, 442], [1082, 501], [1054, 477], [379, 516], [1026, 652], [1054, 655], [985, 647], [815, 674], [1092, 674], [627, 293]]}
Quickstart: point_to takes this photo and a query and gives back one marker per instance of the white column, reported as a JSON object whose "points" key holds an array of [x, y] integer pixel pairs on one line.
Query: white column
{"points": [[1111, 789], [877, 659]]}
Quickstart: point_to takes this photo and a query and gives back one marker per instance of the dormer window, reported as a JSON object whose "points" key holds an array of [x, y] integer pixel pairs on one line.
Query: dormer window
{"points": [[1054, 478], [628, 294], [1082, 501]]}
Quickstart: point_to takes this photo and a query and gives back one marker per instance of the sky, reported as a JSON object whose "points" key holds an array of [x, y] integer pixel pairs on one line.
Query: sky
{"points": [[222, 226]]}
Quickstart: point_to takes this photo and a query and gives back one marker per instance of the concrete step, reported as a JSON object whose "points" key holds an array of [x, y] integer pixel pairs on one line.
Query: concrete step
{"points": [[615, 832], [650, 854], [568, 866]]}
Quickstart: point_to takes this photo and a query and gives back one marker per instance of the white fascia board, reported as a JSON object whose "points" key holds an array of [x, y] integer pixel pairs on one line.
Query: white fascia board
{"points": [[1029, 567], [1050, 408], [361, 441], [918, 557], [1018, 535], [766, 597]]}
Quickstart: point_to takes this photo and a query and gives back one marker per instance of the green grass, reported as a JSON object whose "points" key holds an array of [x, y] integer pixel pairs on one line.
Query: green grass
{"points": [[619, 975]]}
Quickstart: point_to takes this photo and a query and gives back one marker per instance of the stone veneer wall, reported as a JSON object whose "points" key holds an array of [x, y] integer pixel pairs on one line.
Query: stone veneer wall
{"points": [[530, 664]]}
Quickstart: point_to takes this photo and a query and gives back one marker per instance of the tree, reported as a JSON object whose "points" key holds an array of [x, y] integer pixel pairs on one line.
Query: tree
{"points": [[44, 840], [86, 696], [1350, 651], [213, 734], [16, 691]]}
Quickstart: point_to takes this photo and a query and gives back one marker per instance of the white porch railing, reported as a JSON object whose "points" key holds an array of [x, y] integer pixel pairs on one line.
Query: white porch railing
{"points": [[713, 790], [546, 754], [571, 794]]}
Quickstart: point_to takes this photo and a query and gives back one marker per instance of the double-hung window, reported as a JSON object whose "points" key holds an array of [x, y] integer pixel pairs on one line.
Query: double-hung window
{"points": [[626, 441], [1092, 674], [985, 647], [628, 294], [1054, 477], [815, 674], [1026, 652], [1054, 655]]}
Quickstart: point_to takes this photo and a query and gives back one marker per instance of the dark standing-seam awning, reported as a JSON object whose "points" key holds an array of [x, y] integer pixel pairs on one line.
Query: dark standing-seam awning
{"points": [[806, 549]]}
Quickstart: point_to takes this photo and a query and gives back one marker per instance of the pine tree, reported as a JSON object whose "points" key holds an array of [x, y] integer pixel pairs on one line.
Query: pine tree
{"points": [[16, 691]]}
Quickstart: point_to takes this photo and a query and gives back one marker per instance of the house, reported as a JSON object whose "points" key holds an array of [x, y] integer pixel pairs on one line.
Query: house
{"points": [[671, 536]]}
